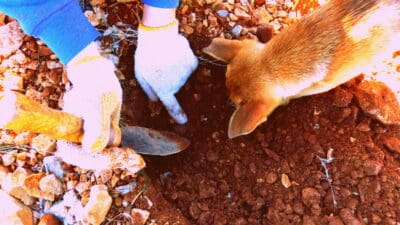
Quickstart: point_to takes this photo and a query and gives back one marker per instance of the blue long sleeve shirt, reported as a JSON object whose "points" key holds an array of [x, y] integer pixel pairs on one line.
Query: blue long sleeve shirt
{"points": [[60, 24]]}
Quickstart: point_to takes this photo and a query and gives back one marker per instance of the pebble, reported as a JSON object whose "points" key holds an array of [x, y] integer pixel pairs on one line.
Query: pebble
{"points": [[342, 97], [232, 17], [212, 20], [372, 168], [11, 38], [310, 196], [139, 216], [374, 97], [49, 219], [285, 181], [334, 220], [15, 212], [98, 205], [264, 34], [348, 217], [241, 14], [298, 208], [272, 177], [51, 184], [236, 30], [223, 13], [392, 143], [188, 29], [375, 218], [271, 154]]}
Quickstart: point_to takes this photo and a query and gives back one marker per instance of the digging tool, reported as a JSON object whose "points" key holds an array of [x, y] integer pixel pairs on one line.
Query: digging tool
{"points": [[20, 113]]}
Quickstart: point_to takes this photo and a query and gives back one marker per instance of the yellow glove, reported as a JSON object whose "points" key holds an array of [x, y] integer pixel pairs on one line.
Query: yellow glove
{"points": [[96, 97]]}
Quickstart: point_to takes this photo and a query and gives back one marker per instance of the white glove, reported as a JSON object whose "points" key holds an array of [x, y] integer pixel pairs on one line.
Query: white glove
{"points": [[96, 97], [163, 63]]}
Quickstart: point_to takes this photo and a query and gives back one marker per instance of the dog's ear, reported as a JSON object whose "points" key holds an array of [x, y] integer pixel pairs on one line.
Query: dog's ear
{"points": [[223, 49], [248, 116]]}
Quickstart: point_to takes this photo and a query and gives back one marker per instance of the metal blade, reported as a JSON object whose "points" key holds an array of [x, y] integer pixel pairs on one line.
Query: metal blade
{"points": [[152, 142]]}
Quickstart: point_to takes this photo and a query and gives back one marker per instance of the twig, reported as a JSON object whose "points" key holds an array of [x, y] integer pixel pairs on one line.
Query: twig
{"points": [[6, 148], [204, 60], [324, 162]]}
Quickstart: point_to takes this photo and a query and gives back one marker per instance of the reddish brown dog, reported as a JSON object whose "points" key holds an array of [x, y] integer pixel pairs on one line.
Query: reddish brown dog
{"points": [[324, 49]]}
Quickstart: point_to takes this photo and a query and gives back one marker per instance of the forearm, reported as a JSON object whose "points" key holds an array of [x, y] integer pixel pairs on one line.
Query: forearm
{"points": [[58, 23]]}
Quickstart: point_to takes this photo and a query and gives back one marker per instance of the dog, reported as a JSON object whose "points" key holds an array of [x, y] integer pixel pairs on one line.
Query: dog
{"points": [[331, 45]]}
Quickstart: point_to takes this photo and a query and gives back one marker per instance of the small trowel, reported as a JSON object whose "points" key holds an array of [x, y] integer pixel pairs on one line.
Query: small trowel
{"points": [[20, 113]]}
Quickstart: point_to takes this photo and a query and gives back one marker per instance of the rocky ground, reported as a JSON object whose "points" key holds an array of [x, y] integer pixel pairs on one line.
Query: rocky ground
{"points": [[324, 159]]}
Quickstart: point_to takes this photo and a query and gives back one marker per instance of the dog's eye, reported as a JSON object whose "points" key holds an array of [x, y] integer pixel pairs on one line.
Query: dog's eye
{"points": [[231, 104]]}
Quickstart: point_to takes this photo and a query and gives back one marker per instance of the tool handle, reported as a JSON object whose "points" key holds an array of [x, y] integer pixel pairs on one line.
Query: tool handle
{"points": [[20, 113]]}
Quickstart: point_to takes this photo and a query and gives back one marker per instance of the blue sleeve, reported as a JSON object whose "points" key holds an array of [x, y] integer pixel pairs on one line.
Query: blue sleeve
{"points": [[162, 3], [60, 24]]}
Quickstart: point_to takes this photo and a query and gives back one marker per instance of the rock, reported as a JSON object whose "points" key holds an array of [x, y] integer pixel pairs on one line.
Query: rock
{"points": [[11, 38], [276, 25], [310, 196], [53, 165], [378, 101], [222, 13], [97, 2], [14, 212], [139, 216], [272, 154], [348, 217], [282, 14], [8, 158], [334, 220], [99, 203], [12, 81], [32, 186], [69, 208], [242, 15], [82, 186], [50, 184], [341, 97], [3, 173], [23, 138], [285, 181], [375, 218], [264, 33], [232, 17], [43, 144], [126, 1], [261, 17], [236, 30], [2, 19], [49, 219], [392, 143], [44, 50], [12, 184], [116, 158], [212, 20], [307, 220], [372, 168], [298, 208], [188, 29]]}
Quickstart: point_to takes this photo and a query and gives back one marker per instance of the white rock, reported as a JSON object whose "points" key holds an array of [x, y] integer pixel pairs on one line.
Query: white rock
{"points": [[12, 182], [11, 38], [14, 213], [99, 203]]}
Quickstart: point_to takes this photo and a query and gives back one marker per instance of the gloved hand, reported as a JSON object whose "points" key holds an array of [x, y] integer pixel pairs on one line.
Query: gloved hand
{"points": [[96, 97], [163, 63]]}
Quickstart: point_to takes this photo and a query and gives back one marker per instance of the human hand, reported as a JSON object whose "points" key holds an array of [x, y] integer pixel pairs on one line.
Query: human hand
{"points": [[96, 97], [163, 63]]}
